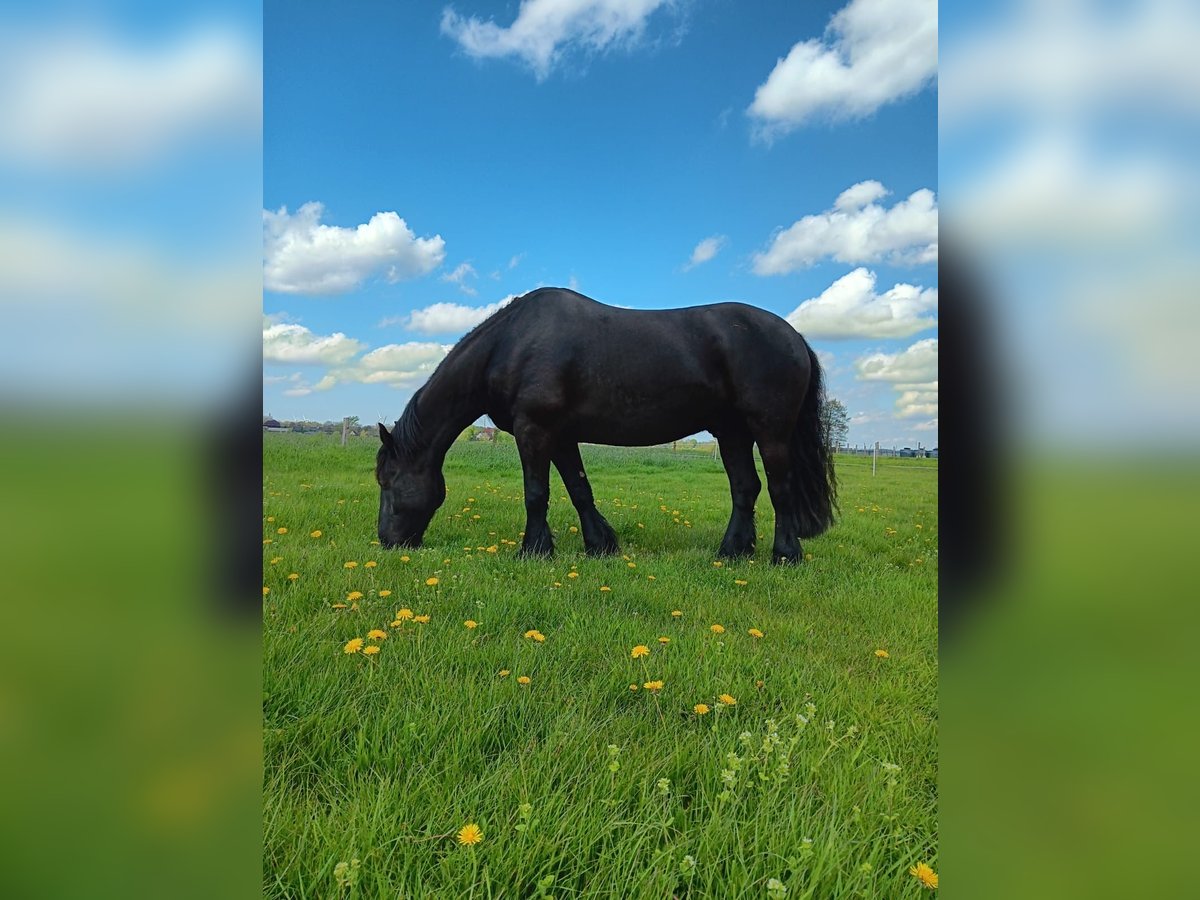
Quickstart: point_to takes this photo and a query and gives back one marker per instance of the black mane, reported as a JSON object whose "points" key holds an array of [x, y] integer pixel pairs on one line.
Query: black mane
{"points": [[408, 435]]}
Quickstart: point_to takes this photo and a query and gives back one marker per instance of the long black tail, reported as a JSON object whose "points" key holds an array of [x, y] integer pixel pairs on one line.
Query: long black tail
{"points": [[812, 458]]}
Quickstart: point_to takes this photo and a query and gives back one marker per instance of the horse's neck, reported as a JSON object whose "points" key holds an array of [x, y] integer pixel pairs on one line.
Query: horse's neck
{"points": [[451, 400]]}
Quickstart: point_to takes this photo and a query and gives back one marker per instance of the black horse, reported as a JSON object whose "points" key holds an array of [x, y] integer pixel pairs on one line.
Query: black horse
{"points": [[554, 368]]}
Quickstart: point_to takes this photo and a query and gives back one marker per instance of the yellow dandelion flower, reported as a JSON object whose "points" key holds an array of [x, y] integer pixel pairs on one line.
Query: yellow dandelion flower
{"points": [[664, 640], [281, 531], [718, 564], [424, 620], [573, 530], [653, 686], [633, 687], [371, 650], [651, 578], [370, 564], [405, 558], [469, 835], [403, 614], [717, 629], [268, 541], [759, 683], [535, 635], [385, 593], [276, 559], [377, 634], [740, 581], [727, 700], [572, 574], [700, 709], [294, 576], [339, 606], [431, 581], [271, 518], [471, 623], [924, 874], [676, 613], [639, 651], [266, 590], [523, 679], [882, 654], [504, 673], [315, 534], [605, 589], [754, 633], [631, 565], [353, 645], [354, 595], [350, 565]]}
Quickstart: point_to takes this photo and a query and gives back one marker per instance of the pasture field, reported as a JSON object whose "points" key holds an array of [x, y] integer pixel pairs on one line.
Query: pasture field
{"points": [[820, 781]]}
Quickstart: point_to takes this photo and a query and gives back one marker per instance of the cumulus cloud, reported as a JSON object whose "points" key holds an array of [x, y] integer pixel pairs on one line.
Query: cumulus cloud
{"points": [[460, 275], [913, 373], [447, 318], [396, 365], [850, 308], [873, 52], [303, 256], [293, 344], [545, 29], [857, 230], [89, 100], [705, 250], [918, 363]]}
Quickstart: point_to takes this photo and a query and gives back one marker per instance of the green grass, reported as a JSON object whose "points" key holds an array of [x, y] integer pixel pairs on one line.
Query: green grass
{"points": [[382, 759]]}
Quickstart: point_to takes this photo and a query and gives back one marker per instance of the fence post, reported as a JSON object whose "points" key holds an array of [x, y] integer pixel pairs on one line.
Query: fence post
{"points": [[874, 458], [345, 428]]}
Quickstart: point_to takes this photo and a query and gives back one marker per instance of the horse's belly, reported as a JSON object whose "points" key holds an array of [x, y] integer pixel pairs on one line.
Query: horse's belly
{"points": [[641, 430]]}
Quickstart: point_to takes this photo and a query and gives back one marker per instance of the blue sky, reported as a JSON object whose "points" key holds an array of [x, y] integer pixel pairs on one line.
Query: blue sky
{"points": [[649, 154]]}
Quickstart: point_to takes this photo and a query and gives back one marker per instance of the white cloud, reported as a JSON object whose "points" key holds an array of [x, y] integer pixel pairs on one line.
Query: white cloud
{"points": [[873, 52], [706, 250], [447, 318], [303, 256], [460, 275], [931, 425], [86, 99], [544, 29], [395, 365], [295, 345], [913, 373], [515, 261], [916, 364], [850, 308], [857, 230]]}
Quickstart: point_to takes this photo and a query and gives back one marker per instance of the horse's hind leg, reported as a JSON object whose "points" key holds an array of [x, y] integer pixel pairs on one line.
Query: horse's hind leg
{"points": [[598, 536], [781, 483], [534, 444], [737, 453]]}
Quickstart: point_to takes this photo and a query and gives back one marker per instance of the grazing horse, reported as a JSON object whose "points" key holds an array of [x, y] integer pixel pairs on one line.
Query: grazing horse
{"points": [[555, 368]]}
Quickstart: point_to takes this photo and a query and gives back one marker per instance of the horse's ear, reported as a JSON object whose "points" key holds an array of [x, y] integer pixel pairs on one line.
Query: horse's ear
{"points": [[385, 437]]}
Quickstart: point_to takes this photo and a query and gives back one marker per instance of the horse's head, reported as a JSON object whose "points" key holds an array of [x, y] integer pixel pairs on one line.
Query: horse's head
{"points": [[411, 488]]}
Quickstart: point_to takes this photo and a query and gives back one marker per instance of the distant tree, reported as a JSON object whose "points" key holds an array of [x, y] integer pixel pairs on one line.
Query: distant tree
{"points": [[467, 433], [836, 421]]}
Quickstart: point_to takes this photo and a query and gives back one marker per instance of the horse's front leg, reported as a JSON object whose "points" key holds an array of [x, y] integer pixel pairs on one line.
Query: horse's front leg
{"points": [[535, 444], [598, 536]]}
